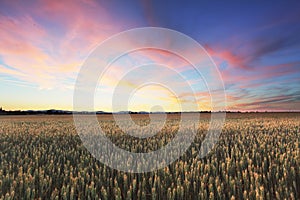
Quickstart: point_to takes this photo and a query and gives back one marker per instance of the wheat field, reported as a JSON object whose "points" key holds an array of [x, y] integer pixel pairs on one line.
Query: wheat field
{"points": [[256, 157]]}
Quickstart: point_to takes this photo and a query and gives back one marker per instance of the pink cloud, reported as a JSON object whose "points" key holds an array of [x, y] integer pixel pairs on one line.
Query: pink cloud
{"points": [[35, 53], [233, 60], [246, 79], [20, 36]]}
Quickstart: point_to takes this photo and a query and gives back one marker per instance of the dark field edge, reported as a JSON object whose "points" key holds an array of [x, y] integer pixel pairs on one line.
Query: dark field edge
{"points": [[63, 112]]}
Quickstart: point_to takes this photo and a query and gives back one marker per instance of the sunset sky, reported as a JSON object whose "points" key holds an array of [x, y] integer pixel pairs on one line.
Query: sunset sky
{"points": [[255, 45]]}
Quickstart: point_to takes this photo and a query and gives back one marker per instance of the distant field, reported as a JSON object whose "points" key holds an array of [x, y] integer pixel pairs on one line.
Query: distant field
{"points": [[257, 157]]}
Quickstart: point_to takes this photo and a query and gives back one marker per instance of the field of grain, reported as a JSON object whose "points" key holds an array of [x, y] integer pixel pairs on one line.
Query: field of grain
{"points": [[257, 157]]}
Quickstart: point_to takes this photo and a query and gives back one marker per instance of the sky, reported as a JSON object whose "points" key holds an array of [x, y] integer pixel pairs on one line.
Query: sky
{"points": [[255, 46]]}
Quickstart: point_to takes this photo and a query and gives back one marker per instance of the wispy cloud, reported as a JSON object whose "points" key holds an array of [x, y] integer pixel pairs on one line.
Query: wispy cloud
{"points": [[35, 52]]}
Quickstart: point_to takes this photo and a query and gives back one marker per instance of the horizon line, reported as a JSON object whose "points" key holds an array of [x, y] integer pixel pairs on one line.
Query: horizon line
{"points": [[145, 112]]}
